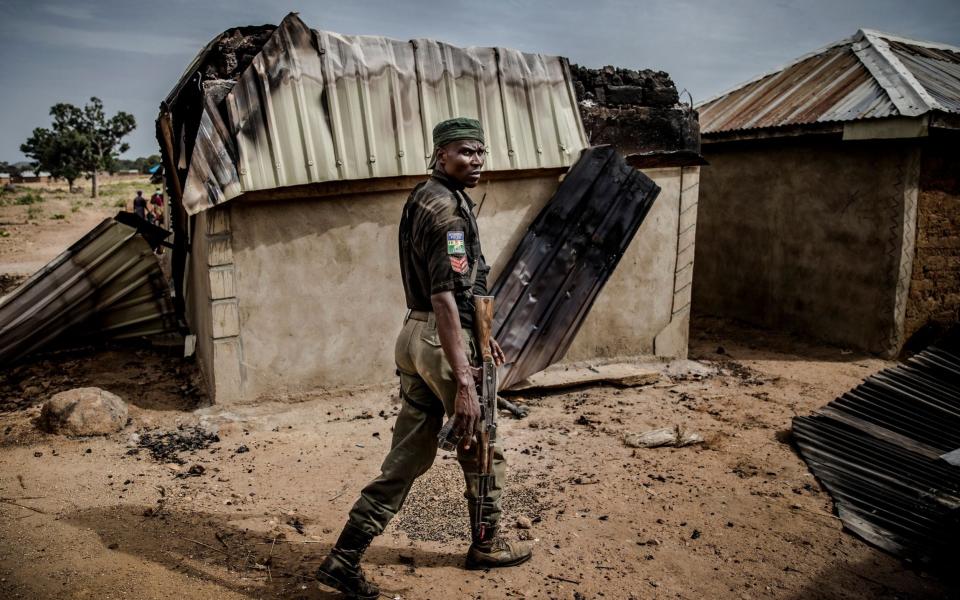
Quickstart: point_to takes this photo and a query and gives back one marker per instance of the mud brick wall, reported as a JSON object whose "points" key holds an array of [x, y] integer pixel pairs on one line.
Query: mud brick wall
{"points": [[636, 111], [934, 300], [806, 235]]}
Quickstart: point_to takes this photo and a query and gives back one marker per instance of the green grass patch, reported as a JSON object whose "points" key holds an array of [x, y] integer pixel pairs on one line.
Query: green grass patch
{"points": [[4, 233], [33, 212], [57, 217], [120, 204], [29, 198]]}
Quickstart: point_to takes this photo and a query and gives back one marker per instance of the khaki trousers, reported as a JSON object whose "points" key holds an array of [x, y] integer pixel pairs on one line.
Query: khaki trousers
{"points": [[428, 389]]}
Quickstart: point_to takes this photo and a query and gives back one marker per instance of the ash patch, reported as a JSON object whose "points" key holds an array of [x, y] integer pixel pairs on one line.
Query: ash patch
{"points": [[166, 446], [436, 511], [10, 282]]}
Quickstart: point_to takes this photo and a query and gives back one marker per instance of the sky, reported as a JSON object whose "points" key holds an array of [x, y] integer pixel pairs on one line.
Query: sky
{"points": [[130, 54]]}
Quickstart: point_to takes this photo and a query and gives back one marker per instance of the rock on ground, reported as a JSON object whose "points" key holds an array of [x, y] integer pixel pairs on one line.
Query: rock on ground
{"points": [[84, 411]]}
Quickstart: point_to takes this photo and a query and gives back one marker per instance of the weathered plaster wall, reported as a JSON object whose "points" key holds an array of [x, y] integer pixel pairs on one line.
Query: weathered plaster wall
{"points": [[320, 301], [810, 235], [637, 302], [934, 299]]}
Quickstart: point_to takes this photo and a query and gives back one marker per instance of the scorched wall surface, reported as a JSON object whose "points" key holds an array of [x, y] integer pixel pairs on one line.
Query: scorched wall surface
{"points": [[808, 235]]}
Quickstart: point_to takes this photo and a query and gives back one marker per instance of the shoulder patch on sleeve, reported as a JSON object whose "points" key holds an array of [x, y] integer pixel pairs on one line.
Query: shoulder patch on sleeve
{"points": [[455, 243], [459, 264]]}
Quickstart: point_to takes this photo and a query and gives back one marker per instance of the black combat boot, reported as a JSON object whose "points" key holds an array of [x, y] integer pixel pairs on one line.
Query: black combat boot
{"points": [[492, 551], [341, 570]]}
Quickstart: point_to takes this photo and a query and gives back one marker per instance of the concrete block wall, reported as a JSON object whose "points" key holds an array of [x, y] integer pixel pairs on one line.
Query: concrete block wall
{"points": [[212, 303]]}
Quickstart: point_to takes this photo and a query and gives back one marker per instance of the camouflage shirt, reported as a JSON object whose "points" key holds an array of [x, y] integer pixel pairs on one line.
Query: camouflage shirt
{"points": [[440, 247]]}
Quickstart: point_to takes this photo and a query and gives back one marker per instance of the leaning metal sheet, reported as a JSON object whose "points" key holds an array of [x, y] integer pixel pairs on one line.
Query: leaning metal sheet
{"points": [[567, 255], [317, 106]]}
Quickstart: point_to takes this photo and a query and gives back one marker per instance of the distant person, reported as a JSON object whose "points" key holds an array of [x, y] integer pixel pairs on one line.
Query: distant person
{"points": [[140, 205], [156, 206]]}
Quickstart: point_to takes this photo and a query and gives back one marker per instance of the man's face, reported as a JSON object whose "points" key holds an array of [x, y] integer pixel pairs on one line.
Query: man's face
{"points": [[462, 161]]}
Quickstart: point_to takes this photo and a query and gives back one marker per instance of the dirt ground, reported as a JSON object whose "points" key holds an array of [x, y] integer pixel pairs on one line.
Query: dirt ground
{"points": [[251, 515], [199, 501]]}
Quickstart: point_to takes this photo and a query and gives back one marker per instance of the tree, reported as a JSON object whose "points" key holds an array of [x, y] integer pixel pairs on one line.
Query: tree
{"points": [[11, 169], [81, 141], [60, 154]]}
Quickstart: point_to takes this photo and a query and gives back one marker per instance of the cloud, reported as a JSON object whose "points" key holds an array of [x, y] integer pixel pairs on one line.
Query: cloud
{"points": [[119, 41], [76, 13]]}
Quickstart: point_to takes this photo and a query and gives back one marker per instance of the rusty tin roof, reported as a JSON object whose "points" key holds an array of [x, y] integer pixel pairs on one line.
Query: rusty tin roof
{"points": [[869, 75], [316, 106]]}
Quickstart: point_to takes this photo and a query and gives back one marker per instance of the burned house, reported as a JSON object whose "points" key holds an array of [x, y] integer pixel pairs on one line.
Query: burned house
{"points": [[831, 206], [289, 153]]}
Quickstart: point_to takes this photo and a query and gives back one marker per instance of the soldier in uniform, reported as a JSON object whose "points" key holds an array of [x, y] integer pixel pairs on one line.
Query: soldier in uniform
{"points": [[443, 268]]}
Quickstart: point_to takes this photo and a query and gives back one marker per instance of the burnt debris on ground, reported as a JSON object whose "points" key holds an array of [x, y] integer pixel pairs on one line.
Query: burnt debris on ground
{"points": [[10, 282], [166, 446], [143, 376]]}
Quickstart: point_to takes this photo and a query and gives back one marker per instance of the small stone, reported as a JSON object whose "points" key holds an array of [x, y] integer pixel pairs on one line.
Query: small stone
{"points": [[84, 411], [523, 522], [113, 546], [37, 454]]}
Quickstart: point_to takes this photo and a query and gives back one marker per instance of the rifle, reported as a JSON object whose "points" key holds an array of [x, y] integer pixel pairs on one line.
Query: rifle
{"points": [[487, 427], [486, 432]]}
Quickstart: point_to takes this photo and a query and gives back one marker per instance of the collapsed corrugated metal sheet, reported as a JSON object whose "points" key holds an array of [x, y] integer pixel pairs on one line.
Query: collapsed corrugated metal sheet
{"points": [[107, 285], [317, 106], [565, 258], [870, 75], [888, 451]]}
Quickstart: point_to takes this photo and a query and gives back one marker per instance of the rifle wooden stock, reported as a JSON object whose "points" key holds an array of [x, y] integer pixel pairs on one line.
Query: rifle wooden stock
{"points": [[483, 322]]}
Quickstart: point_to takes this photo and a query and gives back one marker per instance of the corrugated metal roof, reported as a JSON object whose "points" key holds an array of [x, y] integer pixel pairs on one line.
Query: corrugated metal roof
{"points": [[107, 285], [870, 75], [567, 255], [888, 451], [937, 69], [318, 106]]}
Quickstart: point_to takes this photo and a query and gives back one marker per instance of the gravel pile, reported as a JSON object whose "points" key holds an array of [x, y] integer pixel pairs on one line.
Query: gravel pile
{"points": [[436, 511]]}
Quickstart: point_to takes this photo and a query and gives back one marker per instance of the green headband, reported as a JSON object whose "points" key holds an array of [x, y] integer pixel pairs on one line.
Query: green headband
{"points": [[451, 130]]}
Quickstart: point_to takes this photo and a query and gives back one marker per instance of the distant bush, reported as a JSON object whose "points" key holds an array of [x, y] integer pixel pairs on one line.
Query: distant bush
{"points": [[120, 204], [33, 212], [4, 233], [58, 217], [30, 198]]}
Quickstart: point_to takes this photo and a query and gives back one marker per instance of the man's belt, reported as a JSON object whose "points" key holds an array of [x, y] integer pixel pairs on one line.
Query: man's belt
{"points": [[419, 315]]}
